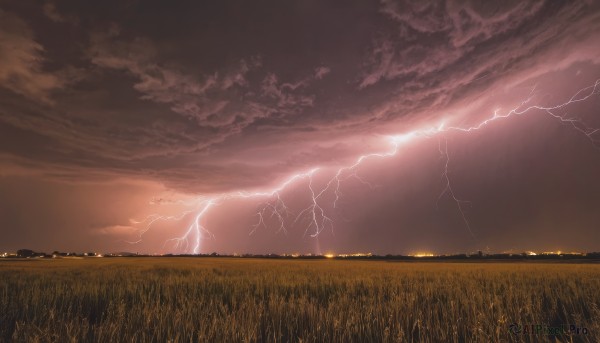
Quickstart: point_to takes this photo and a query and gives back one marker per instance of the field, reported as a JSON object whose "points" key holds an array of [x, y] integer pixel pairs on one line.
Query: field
{"points": [[249, 300]]}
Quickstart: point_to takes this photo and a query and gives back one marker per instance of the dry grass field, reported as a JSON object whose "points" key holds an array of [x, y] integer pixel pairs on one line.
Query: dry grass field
{"points": [[250, 300]]}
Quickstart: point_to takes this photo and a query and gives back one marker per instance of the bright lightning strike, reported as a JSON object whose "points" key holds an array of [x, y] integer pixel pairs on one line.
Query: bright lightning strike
{"points": [[315, 215]]}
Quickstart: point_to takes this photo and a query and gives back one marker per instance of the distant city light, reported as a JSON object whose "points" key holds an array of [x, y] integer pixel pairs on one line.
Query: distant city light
{"points": [[423, 254]]}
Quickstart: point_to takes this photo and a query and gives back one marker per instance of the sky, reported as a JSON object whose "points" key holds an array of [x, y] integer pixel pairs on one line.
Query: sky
{"points": [[239, 126]]}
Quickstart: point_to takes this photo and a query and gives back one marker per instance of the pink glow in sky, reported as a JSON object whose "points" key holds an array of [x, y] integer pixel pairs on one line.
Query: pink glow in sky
{"points": [[130, 126]]}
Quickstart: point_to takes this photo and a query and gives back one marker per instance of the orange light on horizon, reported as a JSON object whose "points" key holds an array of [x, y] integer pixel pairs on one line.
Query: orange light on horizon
{"points": [[423, 254]]}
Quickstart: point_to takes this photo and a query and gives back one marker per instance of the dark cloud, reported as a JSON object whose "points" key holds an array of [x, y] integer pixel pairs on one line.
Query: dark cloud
{"points": [[203, 98], [21, 60], [52, 13]]}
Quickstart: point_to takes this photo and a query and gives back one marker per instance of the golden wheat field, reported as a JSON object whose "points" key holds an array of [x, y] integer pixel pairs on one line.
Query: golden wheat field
{"points": [[264, 300]]}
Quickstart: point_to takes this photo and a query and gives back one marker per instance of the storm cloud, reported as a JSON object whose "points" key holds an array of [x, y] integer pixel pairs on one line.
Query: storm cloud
{"points": [[195, 99]]}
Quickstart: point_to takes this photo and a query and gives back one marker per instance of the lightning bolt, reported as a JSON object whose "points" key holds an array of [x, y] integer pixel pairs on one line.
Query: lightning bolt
{"points": [[448, 186], [315, 216], [194, 231]]}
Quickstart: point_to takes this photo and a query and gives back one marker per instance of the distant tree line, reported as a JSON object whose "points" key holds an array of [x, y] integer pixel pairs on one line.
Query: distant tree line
{"points": [[28, 253]]}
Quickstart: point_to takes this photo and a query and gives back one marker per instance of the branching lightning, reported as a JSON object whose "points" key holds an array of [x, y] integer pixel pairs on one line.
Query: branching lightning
{"points": [[315, 216], [194, 231], [448, 186]]}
